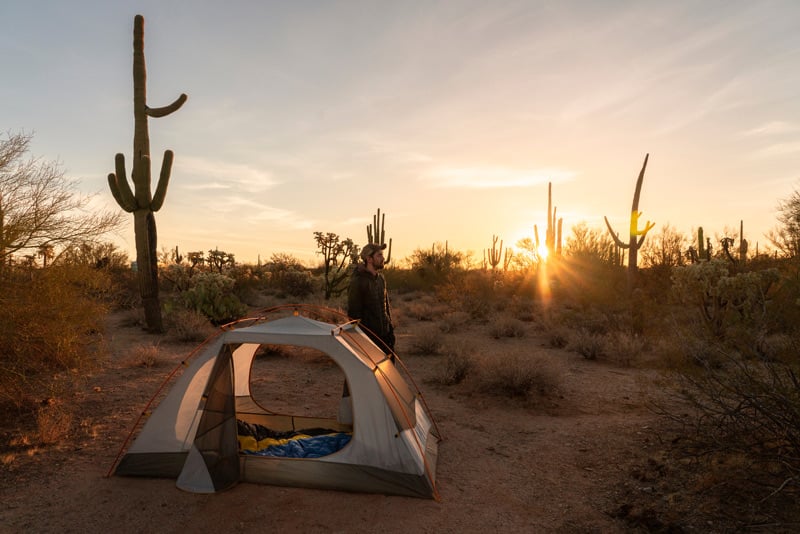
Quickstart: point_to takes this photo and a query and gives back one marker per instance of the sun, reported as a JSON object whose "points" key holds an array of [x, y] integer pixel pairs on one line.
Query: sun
{"points": [[542, 252]]}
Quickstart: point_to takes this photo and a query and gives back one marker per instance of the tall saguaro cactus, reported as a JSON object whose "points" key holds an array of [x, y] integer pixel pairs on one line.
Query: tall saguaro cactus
{"points": [[637, 235], [139, 200], [376, 233]]}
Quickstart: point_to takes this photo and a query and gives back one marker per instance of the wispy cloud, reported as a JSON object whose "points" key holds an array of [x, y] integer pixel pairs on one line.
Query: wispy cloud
{"points": [[779, 149], [213, 174], [252, 211], [773, 128], [494, 177]]}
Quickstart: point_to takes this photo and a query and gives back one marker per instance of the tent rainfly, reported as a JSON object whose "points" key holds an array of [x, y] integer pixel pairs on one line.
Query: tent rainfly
{"points": [[195, 433]]}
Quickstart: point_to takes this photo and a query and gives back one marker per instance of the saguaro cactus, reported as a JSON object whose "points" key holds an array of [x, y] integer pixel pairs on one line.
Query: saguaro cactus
{"points": [[376, 233], [139, 201], [494, 254], [636, 235]]}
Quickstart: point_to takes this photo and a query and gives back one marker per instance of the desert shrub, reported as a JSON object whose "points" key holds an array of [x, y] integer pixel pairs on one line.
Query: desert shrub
{"points": [[748, 408], [518, 375], [176, 276], [187, 325], [523, 309], [459, 360], [588, 344], [53, 422], [211, 294], [472, 292], [424, 308], [454, 321], [426, 340], [144, 356], [727, 303], [50, 320], [625, 348], [295, 283], [504, 326]]}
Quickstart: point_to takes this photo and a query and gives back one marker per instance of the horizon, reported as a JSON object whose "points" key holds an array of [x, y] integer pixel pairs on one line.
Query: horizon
{"points": [[451, 118]]}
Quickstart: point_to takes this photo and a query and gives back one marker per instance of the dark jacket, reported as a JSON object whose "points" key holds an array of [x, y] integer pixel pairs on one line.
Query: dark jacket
{"points": [[368, 301]]}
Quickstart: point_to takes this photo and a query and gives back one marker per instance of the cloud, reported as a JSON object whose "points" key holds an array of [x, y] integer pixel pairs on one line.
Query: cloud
{"points": [[779, 149], [253, 212], [773, 128], [495, 177], [212, 174]]}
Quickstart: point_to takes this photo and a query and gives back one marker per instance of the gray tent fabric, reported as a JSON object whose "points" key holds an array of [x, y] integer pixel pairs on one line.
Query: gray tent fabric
{"points": [[192, 434]]}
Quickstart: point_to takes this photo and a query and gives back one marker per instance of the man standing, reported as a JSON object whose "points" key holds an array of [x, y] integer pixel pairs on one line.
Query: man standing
{"points": [[368, 301]]}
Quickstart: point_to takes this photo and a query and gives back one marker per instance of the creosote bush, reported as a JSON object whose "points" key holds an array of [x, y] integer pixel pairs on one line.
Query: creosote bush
{"points": [[426, 340], [519, 375], [505, 326], [459, 361], [453, 322], [187, 325], [588, 344]]}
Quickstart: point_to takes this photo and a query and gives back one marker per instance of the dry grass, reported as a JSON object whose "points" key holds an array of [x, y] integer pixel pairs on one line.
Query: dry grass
{"points": [[147, 356], [53, 422]]}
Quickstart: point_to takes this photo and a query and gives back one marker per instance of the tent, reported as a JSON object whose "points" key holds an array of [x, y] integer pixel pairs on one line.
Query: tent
{"points": [[389, 439]]}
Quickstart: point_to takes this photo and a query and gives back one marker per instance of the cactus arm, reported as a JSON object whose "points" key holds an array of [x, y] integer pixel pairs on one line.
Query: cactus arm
{"points": [[115, 192], [166, 110], [163, 181], [118, 183], [614, 235], [638, 190]]}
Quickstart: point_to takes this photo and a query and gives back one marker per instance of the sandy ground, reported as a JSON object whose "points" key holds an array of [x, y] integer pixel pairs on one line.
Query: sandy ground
{"points": [[556, 464]]}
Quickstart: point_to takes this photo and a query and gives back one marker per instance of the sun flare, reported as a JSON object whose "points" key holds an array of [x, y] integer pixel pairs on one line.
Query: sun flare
{"points": [[542, 252]]}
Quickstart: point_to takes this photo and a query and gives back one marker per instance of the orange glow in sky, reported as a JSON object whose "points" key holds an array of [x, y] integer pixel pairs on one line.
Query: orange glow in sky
{"points": [[451, 117]]}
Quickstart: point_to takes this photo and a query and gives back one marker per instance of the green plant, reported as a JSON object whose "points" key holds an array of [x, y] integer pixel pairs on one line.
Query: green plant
{"points": [[212, 295], [139, 201], [725, 300]]}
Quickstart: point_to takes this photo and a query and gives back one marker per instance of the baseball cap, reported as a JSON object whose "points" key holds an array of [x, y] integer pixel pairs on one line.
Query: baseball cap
{"points": [[370, 249]]}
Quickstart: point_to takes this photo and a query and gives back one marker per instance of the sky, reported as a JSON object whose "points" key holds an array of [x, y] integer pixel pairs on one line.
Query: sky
{"points": [[450, 117]]}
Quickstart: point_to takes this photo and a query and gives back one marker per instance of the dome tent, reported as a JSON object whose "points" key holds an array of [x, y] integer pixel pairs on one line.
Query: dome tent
{"points": [[193, 434]]}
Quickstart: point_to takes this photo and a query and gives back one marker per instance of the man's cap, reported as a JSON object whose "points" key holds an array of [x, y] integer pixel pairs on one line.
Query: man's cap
{"points": [[370, 249]]}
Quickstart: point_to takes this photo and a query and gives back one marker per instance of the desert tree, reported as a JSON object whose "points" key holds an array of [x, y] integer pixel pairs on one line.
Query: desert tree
{"points": [[337, 255], [41, 210], [665, 248], [786, 237]]}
